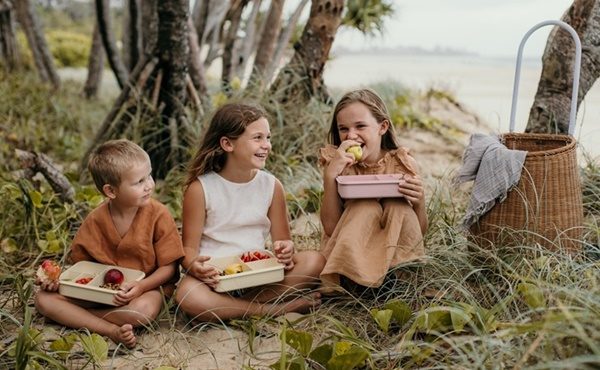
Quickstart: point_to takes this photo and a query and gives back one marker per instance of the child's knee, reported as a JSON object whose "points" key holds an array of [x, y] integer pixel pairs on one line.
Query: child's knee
{"points": [[312, 263], [147, 308], [44, 301]]}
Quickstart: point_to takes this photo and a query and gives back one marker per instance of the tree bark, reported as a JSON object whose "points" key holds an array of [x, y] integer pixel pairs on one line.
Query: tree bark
{"points": [[9, 51], [151, 108], [212, 33], [550, 110], [302, 78], [95, 66], [195, 66], [149, 26], [131, 34], [228, 58], [33, 163], [245, 52], [266, 47], [37, 43], [108, 40], [199, 14], [284, 39]]}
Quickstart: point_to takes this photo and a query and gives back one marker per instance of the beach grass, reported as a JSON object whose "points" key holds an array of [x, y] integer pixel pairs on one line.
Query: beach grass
{"points": [[461, 307]]}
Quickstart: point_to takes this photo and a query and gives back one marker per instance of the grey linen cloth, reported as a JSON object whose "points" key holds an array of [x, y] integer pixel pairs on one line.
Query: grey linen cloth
{"points": [[495, 169]]}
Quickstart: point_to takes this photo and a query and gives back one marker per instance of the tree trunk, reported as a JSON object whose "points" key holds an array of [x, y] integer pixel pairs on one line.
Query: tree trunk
{"points": [[245, 53], [228, 58], [9, 52], [108, 40], [151, 107], [149, 26], [131, 34], [550, 110], [284, 39], [95, 66], [302, 78], [37, 43], [266, 47], [195, 66], [212, 33], [199, 14]]}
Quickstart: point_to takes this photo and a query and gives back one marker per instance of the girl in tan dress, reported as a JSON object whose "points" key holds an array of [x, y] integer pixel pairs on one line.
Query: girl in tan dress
{"points": [[364, 238]]}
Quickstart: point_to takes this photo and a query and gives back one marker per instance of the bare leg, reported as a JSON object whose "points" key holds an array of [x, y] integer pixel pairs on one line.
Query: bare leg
{"points": [[203, 303], [116, 323], [305, 274]]}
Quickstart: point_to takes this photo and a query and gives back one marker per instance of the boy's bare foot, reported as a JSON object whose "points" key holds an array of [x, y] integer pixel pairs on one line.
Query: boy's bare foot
{"points": [[124, 334]]}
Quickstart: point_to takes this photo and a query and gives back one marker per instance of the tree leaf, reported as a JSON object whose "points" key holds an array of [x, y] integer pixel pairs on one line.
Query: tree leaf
{"points": [[382, 318], [64, 345], [401, 311], [322, 354], [95, 346], [532, 295], [349, 360], [8, 245], [36, 198], [296, 363], [301, 341], [341, 347]]}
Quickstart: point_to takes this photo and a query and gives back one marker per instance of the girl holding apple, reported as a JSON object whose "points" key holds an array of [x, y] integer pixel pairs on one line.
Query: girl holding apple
{"points": [[230, 207], [364, 238]]}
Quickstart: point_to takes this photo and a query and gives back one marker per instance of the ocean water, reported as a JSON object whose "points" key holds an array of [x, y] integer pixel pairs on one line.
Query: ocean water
{"points": [[484, 85]]}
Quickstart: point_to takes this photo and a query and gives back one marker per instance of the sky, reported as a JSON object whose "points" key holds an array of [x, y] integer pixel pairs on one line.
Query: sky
{"points": [[486, 27]]}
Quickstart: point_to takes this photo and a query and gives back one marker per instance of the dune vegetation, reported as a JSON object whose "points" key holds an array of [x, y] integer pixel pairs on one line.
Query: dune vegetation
{"points": [[461, 307]]}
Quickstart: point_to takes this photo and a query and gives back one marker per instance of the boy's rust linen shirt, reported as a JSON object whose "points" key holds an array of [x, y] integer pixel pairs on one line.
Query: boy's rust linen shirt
{"points": [[151, 241]]}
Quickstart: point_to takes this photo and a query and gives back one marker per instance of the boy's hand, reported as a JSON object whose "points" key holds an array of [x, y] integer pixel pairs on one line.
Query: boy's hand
{"points": [[127, 292], [204, 272], [47, 285], [284, 251]]}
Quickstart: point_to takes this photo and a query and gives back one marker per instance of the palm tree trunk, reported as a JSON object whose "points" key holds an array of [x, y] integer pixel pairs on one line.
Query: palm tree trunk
{"points": [[284, 39], [37, 43], [234, 16], [9, 51], [108, 40], [266, 46], [550, 110], [95, 66], [302, 78]]}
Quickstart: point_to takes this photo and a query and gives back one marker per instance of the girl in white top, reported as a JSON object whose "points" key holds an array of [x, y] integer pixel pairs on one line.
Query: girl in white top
{"points": [[230, 206]]}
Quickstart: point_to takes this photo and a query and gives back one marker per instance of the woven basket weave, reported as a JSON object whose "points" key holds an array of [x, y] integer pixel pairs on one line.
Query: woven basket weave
{"points": [[546, 206]]}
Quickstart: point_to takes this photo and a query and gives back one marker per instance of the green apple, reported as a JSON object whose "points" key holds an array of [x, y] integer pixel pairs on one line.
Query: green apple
{"points": [[356, 151]]}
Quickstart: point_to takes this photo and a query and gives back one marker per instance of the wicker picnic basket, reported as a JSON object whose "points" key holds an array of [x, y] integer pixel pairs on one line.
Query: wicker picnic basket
{"points": [[546, 206]]}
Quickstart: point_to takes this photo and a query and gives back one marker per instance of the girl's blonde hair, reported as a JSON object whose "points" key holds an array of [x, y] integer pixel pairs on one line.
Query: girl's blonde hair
{"points": [[111, 159], [229, 121], [377, 108]]}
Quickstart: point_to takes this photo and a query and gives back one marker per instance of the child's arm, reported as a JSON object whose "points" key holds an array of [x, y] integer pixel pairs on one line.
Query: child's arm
{"points": [[411, 186], [331, 206], [194, 217], [134, 289], [280, 227]]}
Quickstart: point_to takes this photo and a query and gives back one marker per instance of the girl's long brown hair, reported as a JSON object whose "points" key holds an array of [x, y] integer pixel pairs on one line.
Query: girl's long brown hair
{"points": [[228, 121], [378, 109]]}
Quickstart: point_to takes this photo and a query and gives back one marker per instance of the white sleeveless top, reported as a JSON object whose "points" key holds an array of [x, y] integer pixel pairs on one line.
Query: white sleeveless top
{"points": [[236, 214]]}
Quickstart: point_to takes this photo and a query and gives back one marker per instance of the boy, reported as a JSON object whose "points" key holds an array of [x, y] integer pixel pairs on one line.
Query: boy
{"points": [[129, 229]]}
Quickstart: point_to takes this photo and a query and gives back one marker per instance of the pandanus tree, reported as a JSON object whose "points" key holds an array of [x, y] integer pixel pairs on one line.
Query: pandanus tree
{"points": [[550, 110], [151, 108], [9, 53]]}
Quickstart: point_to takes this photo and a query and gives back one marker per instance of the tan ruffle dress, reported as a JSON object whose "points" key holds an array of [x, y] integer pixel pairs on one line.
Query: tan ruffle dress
{"points": [[372, 235]]}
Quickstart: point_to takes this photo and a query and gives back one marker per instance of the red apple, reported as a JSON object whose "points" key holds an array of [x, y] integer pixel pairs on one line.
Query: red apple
{"points": [[113, 276], [48, 271]]}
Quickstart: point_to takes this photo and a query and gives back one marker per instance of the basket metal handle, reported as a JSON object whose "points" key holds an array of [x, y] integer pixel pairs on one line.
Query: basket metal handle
{"points": [[576, 69]]}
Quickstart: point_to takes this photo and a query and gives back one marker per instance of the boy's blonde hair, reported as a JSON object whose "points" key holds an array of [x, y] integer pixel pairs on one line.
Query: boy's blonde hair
{"points": [[110, 160]]}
